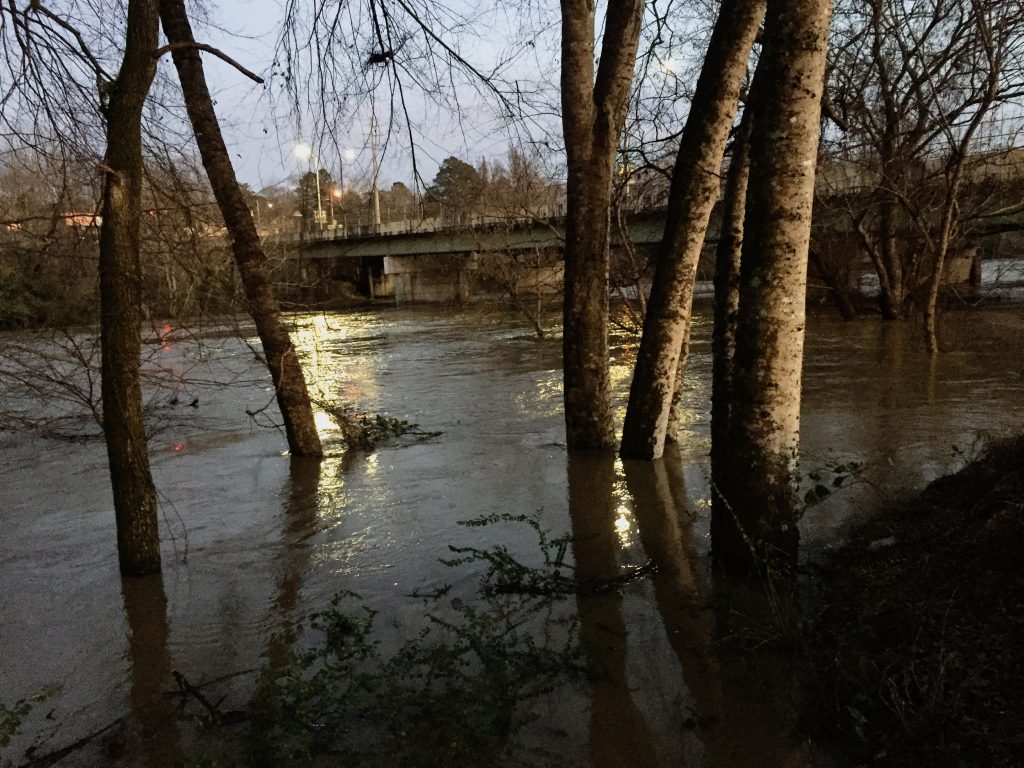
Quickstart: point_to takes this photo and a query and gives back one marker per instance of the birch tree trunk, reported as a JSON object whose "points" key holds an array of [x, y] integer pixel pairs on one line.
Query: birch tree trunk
{"points": [[593, 113], [694, 191], [760, 524], [253, 267], [135, 503]]}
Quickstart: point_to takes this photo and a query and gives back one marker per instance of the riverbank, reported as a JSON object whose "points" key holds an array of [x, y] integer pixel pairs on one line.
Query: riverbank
{"points": [[917, 645]]}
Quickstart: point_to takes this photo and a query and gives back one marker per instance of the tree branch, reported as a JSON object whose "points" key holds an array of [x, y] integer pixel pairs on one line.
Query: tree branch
{"points": [[209, 49]]}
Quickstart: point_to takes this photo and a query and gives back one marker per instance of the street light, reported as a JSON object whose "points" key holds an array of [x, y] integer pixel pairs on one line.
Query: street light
{"points": [[335, 193], [304, 151]]}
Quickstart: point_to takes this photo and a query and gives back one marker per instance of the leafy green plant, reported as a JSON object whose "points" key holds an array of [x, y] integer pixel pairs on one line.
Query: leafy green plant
{"points": [[12, 717], [505, 574], [450, 696], [827, 479], [453, 694]]}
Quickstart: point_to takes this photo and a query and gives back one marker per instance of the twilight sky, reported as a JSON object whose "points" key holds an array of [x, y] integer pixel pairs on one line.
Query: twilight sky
{"points": [[262, 128]]}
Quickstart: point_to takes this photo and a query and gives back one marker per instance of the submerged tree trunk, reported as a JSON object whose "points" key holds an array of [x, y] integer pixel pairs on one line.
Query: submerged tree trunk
{"points": [[694, 191], [726, 311], [135, 503], [593, 112], [759, 526], [253, 267]]}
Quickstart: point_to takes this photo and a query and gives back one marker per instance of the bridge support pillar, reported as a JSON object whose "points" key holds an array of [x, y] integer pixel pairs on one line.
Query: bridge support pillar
{"points": [[429, 278]]}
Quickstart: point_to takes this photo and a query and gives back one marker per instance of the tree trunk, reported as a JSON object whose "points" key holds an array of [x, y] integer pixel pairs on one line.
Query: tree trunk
{"points": [[593, 112], [727, 304], [931, 333], [694, 191], [253, 267], [135, 503], [836, 285], [759, 528], [893, 289], [951, 205], [892, 281]]}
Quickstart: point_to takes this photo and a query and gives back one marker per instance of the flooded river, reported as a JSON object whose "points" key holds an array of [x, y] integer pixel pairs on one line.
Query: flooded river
{"points": [[255, 541]]}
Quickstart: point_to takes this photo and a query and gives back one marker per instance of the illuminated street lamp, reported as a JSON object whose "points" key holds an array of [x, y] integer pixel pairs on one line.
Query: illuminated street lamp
{"points": [[335, 193]]}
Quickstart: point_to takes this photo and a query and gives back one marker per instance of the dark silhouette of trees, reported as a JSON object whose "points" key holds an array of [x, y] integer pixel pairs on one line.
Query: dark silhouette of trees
{"points": [[455, 191], [911, 88]]}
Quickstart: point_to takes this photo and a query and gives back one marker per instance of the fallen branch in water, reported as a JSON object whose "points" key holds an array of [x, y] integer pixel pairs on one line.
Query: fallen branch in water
{"points": [[51, 758], [186, 691], [362, 431]]}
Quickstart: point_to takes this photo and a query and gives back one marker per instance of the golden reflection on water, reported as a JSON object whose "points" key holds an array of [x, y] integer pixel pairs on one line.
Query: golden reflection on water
{"points": [[332, 379], [624, 525], [324, 423], [371, 466], [546, 397], [625, 521], [334, 497]]}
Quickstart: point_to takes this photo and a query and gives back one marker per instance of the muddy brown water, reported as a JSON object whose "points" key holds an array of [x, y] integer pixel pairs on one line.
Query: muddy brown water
{"points": [[253, 542]]}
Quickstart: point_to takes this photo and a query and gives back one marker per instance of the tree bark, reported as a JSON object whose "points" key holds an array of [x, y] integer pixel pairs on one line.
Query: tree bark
{"points": [[694, 191], [253, 267], [759, 528], [593, 113], [726, 311], [135, 503]]}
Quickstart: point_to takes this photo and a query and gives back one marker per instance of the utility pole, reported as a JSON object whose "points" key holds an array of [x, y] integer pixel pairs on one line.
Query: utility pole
{"points": [[376, 170], [319, 202]]}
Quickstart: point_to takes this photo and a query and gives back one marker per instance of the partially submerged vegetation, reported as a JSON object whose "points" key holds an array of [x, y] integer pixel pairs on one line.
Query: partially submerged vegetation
{"points": [[918, 644], [455, 693], [364, 431]]}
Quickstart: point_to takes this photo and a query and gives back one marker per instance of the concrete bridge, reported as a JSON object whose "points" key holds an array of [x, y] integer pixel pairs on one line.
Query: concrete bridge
{"points": [[437, 264], [442, 263]]}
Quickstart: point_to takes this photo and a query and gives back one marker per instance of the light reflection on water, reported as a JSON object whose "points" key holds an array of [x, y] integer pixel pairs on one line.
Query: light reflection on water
{"points": [[270, 540]]}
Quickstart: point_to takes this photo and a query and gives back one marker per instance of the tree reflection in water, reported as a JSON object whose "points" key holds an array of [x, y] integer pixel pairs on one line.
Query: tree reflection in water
{"points": [[508, 644], [729, 638], [145, 608], [619, 734], [300, 516]]}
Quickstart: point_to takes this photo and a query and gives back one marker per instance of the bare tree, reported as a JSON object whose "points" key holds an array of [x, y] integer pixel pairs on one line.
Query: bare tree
{"points": [[759, 487], [593, 112], [285, 369], [911, 86], [694, 191], [516, 192], [135, 503], [726, 315]]}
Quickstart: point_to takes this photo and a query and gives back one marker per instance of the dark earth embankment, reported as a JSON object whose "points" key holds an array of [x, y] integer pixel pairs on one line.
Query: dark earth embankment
{"points": [[917, 643]]}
